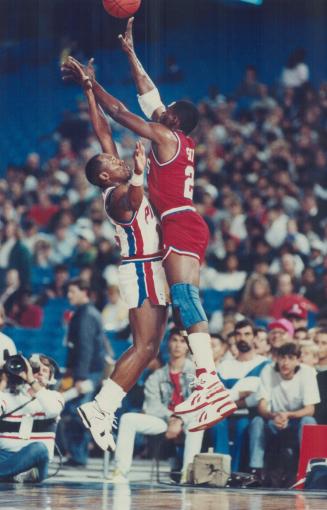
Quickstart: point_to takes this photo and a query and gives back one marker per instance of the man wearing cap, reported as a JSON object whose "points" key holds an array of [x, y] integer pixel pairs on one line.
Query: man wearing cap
{"points": [[281, 331], [297, 315]]}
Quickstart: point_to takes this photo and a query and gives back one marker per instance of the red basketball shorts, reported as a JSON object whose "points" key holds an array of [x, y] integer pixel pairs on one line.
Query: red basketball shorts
{"points": [[185, 233]]}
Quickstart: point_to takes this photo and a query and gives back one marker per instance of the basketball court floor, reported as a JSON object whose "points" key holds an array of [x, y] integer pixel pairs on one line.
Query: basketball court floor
{"points": [[89, 489], [101, 496]]}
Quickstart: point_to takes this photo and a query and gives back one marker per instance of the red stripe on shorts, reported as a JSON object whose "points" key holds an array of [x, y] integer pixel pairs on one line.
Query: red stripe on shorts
{"points": [[149, 280], [138, 238]]}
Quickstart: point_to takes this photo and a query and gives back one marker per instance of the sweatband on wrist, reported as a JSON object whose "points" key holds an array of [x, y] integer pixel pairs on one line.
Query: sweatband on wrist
{"points": [[149, 102], [87, 82], [137, 180]]}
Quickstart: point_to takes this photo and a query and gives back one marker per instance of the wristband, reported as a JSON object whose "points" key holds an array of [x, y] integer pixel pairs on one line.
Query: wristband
{"points": [[33, 382], [85, 82], [149, 102], [137, 180]]}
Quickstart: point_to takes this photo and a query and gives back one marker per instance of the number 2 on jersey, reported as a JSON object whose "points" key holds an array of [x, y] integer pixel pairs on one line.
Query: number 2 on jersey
{"points": [[189, 182]]}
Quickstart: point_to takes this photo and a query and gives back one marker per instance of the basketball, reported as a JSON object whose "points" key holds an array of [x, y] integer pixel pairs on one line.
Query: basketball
{"points": [[121, 8]]}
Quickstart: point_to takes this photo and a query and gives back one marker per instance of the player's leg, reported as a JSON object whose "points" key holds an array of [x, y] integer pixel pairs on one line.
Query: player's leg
{"points": [[148, 324], [183, 273]]}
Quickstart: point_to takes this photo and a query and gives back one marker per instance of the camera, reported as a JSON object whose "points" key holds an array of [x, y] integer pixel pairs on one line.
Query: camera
{"points": [[16, 364]]}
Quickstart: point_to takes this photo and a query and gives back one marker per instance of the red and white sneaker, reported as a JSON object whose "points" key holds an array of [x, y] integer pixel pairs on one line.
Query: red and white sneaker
{"points": [[208, 390], [213, 414]]}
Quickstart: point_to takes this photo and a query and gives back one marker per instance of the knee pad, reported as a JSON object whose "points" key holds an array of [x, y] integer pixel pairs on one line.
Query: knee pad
{"points": [[186, 300]]}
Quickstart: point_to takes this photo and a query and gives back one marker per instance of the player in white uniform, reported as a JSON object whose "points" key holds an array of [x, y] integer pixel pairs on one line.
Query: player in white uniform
{"points": [[141, 274], [142, 278]]}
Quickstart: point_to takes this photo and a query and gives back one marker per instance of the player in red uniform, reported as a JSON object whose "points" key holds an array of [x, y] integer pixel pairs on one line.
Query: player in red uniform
{"points": [[185, 234]]}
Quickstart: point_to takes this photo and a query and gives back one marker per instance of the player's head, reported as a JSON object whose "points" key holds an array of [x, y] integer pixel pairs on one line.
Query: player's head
{"points": [[106, 170], [181, 115]]}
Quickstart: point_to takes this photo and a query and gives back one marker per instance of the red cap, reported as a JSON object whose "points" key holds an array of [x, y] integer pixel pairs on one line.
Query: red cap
{"points": [[296, 310], [282, 324]]}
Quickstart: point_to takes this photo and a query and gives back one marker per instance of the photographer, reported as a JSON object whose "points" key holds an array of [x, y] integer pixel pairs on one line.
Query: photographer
{"points": [[29, 413]]}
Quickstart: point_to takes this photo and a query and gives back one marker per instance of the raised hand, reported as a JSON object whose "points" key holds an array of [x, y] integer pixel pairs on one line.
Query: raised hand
{"points": [[139, 158], [27, 374], [74, 70], [126, 40]]}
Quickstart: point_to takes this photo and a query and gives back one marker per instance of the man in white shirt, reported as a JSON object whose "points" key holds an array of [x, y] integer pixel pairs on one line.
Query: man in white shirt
{"points": [[7, 346], [165, 388], [29, 412], [287, 395], [241, 375]]}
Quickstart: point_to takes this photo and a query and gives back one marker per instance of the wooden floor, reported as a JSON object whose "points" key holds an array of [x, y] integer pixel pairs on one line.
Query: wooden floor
{"points": [[104, 496], [90, 489]]}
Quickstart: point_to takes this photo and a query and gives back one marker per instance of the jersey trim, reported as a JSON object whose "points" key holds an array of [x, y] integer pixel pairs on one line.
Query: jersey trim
{"points": [[175, 210], [179, 252], [173, 158], [142, 258]]}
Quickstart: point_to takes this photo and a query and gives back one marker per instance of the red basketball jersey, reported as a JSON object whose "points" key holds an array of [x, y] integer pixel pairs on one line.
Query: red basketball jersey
{"points": [[171, 184]]}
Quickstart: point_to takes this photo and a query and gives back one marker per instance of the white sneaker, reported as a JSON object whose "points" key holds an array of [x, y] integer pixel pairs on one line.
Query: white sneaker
{"points": [[100, 424], [208, 390], [184, 478], [213, 414], [118, 477], [30, 476]]}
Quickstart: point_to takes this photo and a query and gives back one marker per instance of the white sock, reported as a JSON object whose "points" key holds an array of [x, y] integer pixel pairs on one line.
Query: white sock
{"points": [[200, 344], [110, 396]]}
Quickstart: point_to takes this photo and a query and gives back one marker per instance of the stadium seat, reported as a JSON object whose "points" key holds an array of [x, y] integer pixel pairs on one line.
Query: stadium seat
{"points": [[313, 445]]}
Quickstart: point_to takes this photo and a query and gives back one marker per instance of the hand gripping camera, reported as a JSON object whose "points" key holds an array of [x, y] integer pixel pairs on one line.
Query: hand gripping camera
{"points": [[16, 364]]}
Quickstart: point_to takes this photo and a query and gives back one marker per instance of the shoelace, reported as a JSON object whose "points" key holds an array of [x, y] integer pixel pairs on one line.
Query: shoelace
{"points": [[196, 383], [111, 417], [113, 420]]}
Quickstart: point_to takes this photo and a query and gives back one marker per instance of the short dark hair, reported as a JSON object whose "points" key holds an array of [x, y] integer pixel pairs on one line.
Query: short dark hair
{"points": [[60, 268], [301, 330], [93, 168], [259, 330], [243, 324], [288, 349], [175, 331], [187, 114], [81, 283], [219, 337]]}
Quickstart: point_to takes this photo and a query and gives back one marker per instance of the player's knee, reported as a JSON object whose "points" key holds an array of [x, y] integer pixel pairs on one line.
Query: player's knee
{"points": [[186, 300], [147, 348]]}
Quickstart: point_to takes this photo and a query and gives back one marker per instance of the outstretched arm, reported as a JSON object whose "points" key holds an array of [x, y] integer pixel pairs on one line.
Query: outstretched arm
{"points": [[155, 132], [84, 76], [142, 80], [100, 125], [148, 94], [118, 111]]}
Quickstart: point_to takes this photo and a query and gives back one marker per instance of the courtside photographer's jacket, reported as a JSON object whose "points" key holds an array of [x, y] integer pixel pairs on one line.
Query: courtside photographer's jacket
{"points": [[36, 421]]}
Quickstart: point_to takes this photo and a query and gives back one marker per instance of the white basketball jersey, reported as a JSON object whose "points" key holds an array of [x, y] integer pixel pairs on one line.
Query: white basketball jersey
{"points": [[139, 237]]}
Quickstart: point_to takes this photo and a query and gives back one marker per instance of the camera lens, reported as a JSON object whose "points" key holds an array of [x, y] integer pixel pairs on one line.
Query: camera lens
{"points": [[15, 364]]}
